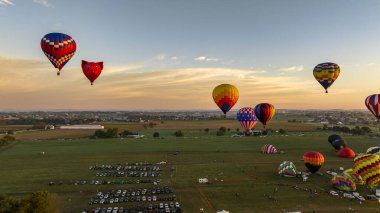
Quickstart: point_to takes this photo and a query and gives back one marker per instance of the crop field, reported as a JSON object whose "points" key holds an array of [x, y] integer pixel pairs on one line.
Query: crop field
{"points": [[243, 179]]}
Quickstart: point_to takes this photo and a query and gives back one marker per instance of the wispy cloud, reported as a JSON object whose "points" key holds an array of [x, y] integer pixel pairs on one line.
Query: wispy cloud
{"points": [[160, 57], [6, 2], [204, 58], [32, 84], [292, 69], [45, 3]]}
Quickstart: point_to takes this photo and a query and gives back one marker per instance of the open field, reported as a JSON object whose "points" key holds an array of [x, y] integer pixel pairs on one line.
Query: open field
{"points": [[247, 173]]}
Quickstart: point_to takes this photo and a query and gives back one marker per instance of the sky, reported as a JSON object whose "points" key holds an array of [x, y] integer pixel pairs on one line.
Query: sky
{"points": [[169, 55]]}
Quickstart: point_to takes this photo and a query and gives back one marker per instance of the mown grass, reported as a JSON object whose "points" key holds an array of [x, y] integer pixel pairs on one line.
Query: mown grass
{"points": [[247, 173]]}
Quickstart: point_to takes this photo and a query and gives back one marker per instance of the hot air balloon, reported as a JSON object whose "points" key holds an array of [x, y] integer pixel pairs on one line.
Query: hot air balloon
{"points": [[268, 149], [343, 183], [326, 74], [346, 153], [350, 173], [373, 150], [332, 138], [372, 102], [339, 144], [247, 118], [287, 169], [59, 48], [264, 112], [313, 161], [368, 167], [225, 96], [92, 70]]}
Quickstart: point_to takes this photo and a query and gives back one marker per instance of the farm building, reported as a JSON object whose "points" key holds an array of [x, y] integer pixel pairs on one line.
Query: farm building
{"points": [[82, 127]]}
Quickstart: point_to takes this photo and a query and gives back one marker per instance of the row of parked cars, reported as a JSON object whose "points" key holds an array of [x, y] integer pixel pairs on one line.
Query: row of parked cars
{"points": [[132, 199], [135, 192], [129, 174], [105, 182], [135, 167], [151, 208]]}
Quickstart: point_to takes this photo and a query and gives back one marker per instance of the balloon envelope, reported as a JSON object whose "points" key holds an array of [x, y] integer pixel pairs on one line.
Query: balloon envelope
{"points": [[339, 144], [313, 161], [346, 153], [343, 183], [332, 138], [350, 173], [287, 169], [372, 102], [92, 70], [326, 74], [373, 150], [268, 149], [247, 118], [225, 96], [368, 167], [264, 112], [59, 48]]}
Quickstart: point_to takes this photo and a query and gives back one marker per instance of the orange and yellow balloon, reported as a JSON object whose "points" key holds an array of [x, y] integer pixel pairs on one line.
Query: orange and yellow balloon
{"points": [[225, 96]]}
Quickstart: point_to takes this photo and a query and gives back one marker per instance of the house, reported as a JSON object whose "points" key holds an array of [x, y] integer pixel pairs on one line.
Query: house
{"points": [[82, 127]]}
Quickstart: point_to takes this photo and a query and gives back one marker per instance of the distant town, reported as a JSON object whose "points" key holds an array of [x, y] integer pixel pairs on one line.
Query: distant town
{"points": [[331, 117]]}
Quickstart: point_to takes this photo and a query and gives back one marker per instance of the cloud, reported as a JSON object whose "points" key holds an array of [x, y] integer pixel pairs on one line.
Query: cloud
{"points": [[204, 58], [174, 58], [6, 2], [161, 57], [292, 69], [45, 3], [32, 84]]}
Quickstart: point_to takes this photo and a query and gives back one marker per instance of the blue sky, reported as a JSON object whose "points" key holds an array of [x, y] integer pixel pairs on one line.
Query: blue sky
{"points": [[274, 43]]}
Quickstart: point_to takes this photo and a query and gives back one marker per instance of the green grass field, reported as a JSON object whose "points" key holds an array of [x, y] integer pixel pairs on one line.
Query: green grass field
{"points": [[247, 173]]}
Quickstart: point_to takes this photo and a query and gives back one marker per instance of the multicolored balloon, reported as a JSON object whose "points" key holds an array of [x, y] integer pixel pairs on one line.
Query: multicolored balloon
{"points": [[225, 96], [268, 149], [326, 74], [247, 118], [372, 102], [287, 169], [264, 112], [59, 48], [313, 161], [373, 150], [368, 167], [346, 153], [350, 173], [92, 70], [343, 183]]}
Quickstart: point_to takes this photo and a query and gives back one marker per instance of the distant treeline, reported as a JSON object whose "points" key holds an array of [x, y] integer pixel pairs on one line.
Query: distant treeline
{"points": [[55, 121], [355, 131]]}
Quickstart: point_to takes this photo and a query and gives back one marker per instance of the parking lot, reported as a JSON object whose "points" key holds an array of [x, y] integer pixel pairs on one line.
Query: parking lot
{"points": [[129, 199]]}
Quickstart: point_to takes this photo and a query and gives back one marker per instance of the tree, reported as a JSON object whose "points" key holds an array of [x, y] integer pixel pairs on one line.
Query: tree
{"points": [[178, 133], [282, 131], [237, 130], [11, 132], [207, 130], [156, 135], [9, 205], [219, 133], [109, 133], [222, 129], [36, 202]]}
